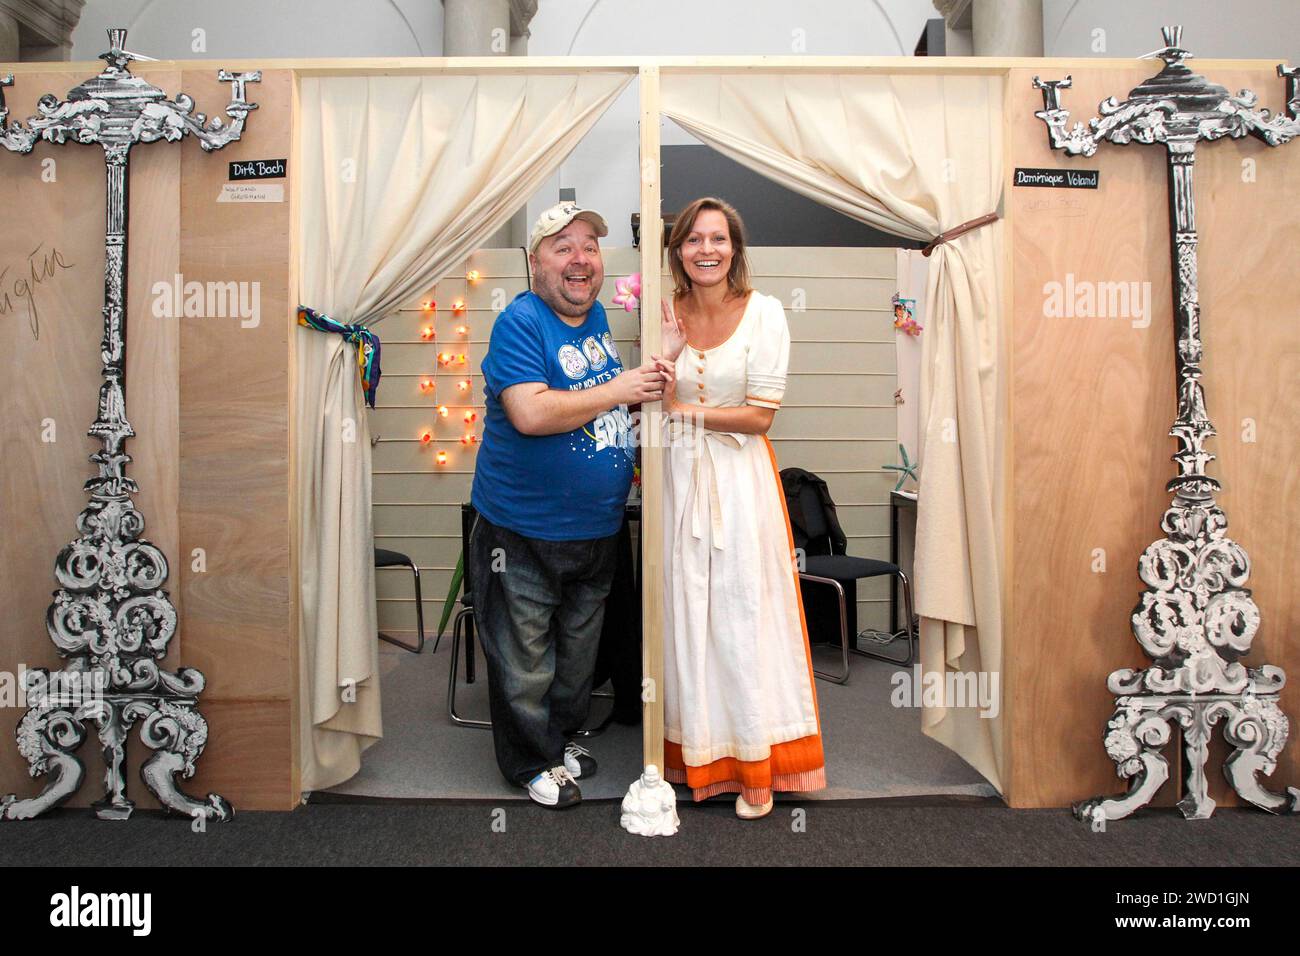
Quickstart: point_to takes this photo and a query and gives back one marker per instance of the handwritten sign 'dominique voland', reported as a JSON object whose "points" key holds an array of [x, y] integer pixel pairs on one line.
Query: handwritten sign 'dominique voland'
{"points": [[1058, 178]]}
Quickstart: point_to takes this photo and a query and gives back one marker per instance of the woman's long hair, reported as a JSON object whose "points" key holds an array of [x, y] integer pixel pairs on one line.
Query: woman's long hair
{"points": [[738, 274]]}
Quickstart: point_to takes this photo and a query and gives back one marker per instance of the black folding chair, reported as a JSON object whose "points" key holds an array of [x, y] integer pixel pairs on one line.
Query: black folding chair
{"points": [[395, 559], [817, 531]]}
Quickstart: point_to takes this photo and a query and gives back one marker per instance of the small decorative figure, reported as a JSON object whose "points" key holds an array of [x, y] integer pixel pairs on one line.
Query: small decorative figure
{"points": [[906, 470], [903, 319], [650, 807]]}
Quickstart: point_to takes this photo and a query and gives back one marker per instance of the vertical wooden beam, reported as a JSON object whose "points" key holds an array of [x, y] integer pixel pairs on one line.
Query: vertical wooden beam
{"points": [[652, 230], [296, 703], [1011, 116]]}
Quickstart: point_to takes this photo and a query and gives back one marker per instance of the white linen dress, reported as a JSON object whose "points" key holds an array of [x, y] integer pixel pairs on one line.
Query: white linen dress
{"points": [[740, 710]]}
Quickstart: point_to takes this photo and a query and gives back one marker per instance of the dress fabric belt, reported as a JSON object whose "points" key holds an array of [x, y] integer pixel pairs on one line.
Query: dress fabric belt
{"points": [[704, 484]]}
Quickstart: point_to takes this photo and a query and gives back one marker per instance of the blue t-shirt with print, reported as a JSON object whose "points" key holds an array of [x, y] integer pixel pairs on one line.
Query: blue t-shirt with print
{"points": [[566, 487]]}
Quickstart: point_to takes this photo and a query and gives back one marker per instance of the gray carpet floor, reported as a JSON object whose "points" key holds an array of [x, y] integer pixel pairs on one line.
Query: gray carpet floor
{"points": [[912, 831], [873, 749]]}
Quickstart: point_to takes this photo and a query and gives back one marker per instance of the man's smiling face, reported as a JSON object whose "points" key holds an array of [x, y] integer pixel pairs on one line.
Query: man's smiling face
{"points": [[568, 271]]}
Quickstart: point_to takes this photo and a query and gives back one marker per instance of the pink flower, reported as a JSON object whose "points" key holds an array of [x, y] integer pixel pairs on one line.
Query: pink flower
{"points": [[629, 292], [908, 325]]}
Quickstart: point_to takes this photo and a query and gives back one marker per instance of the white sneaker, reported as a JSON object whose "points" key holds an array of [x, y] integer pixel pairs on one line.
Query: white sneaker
{"points": [[579, 761], [554, 788]]}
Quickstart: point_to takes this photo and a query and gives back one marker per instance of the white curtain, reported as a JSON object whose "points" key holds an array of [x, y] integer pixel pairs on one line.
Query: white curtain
{"points": [[913, 156], [401, 178]]}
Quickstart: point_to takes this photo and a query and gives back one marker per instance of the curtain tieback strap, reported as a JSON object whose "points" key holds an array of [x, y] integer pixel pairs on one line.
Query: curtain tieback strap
{"points": [[366, 341], [961, 230]]}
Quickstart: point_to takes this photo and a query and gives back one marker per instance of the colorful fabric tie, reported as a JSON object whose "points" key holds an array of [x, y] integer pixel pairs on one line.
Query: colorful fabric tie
{"points": [[366, 341]]}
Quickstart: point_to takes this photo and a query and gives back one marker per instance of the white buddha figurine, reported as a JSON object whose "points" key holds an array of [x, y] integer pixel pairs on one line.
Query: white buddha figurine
{"points": [[650, 807]]}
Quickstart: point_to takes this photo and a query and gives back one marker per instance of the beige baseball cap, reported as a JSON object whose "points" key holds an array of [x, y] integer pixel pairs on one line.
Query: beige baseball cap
{"points": [[559, 216]]}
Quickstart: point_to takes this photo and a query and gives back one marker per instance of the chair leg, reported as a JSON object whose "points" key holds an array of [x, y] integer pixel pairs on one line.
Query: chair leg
{"points": [[913, 637], [458, 628], [911, 647], [470, 669], [419, 622], [601, 727], [596, 731], [413, 648], [419, 608], [844, 629]]}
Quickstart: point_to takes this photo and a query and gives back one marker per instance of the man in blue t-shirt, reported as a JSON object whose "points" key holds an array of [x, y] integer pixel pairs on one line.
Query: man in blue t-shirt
{"points": [[550, 485]]}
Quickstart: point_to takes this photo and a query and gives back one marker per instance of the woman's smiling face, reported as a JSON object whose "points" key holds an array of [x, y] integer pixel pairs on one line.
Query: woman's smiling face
{"points": [[707, 252]]}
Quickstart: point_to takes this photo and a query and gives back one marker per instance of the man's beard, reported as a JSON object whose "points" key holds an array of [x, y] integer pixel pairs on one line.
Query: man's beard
{"points": [[558, 297]]}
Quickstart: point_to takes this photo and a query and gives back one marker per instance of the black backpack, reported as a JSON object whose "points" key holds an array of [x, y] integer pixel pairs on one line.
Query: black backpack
{"points": [[813, 521]]}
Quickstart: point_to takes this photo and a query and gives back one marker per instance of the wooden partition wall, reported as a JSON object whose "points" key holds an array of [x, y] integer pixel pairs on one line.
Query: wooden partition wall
{"points": [[1092, 400], [207, 396], [1090, 403]]}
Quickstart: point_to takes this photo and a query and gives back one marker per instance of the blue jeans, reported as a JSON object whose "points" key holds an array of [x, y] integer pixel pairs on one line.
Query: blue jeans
{"points": [[538, 607]]}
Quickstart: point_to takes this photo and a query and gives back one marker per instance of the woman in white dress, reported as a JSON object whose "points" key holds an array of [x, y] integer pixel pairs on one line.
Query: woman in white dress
{"points": [[740, 709]]}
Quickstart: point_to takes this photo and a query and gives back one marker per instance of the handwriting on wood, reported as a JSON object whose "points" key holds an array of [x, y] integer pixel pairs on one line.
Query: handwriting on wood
{"points": [[20, 282]]}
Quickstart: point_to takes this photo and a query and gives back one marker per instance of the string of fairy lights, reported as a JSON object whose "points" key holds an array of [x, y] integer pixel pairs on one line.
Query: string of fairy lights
{"points": [[449, 363]]}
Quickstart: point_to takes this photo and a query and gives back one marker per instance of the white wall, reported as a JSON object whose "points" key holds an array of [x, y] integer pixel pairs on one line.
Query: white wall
{"points": [[604, 167], [163, 29], [1246, 29]]}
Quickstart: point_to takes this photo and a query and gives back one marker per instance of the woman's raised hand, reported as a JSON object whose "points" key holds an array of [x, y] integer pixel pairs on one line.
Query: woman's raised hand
{"points": [[671, 337]]}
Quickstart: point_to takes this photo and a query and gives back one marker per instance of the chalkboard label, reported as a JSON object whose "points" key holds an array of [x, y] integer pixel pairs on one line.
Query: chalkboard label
{"points": [[259, 169], [1058, 178]]}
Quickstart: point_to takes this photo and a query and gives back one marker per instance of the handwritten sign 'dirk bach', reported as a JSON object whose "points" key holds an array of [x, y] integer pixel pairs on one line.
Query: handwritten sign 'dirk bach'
{"points": [[19, 283], [111, 617]]}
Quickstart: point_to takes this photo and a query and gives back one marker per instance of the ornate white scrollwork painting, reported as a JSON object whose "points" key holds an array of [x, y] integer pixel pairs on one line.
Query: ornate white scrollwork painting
{"points": [[111, 618], [1196, 617]]}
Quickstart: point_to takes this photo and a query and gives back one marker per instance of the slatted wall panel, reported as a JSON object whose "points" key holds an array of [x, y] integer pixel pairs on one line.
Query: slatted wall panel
{"points": [[838, 418]]}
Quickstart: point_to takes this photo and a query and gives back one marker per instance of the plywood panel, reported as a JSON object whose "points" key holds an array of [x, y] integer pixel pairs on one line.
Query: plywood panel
{"points": [[201, 409], [248, 756], [240, 627], [1094, 398]]}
